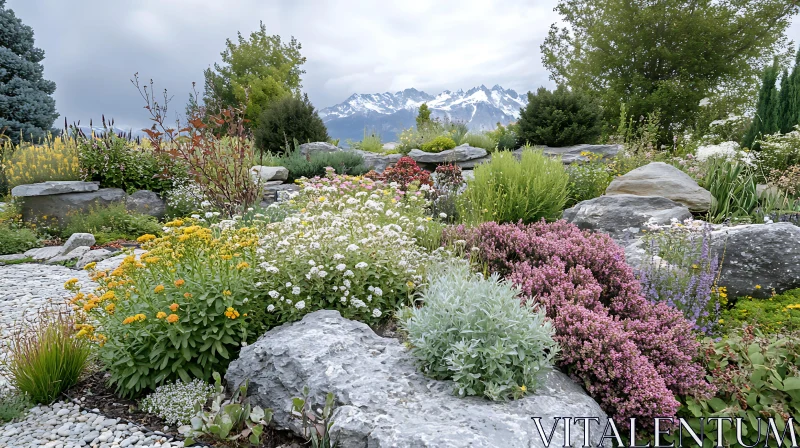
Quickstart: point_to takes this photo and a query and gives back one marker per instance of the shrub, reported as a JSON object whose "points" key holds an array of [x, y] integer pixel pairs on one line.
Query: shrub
{"points": [[448, 185], [44, 360], [504, 136], [350, 248], [558, 118], [787, 180], [474, 331], [587, 179], [13, 405], [288, 119], [629, 354], [780, 151], [175, 402], [680, 270], [15, 239], [508, 190], [178, 311], [438, 144], [54, 159], [405, 172], [370, 143], [779, 314], [755, 377], [480, 141], [110, 223], [343, 162]]}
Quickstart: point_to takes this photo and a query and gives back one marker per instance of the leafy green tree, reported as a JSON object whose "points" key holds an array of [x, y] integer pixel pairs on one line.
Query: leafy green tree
{"points": [[27, 108], [558, 118], [254, 73], [286, 120], [423, 116], [667, 54], [765, 120]]}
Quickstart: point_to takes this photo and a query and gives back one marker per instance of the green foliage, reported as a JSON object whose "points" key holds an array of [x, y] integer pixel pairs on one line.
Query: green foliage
{"points": [[587, 179], [45, 359], [558, 118], [28, 108], [285, 120], [733, 185], [423, 116], [176, 402], [779, 314], [370, 143], [665, 55], [508, 190], [438, 144], [343, 162], [756, 378], [109, 223], [316, 428], [766, 119], [117, 162], [476, 332], [15, 239], [13, 405], [780, 151], [232, 420], [504, 136], [254, 73], [479, 141]]}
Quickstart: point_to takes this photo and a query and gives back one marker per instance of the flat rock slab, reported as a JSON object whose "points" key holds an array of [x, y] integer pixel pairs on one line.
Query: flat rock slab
{"points": [[623, 215], [572, 154], [268, 173], [383, 401], [44, 253], [377, 162], [58, 207], [12, 257], [315, 147], [661, 179], [77, 240], [53, 187], [458, 154]]}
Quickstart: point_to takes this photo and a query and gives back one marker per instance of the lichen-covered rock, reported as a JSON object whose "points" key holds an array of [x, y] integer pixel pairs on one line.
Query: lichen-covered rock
{"points": [[661, 179], [458, 154], [314, 147], [146, 202], [765, 255], [383, 401], [624, 215], [58, 207], [53, 187]]}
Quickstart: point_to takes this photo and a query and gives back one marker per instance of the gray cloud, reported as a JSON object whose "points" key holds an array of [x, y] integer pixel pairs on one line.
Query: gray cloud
{"points": [[93, 47]]}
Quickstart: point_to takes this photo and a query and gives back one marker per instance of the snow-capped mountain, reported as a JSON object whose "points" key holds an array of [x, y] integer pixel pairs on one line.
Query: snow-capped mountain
{"points": [[389, 113]]}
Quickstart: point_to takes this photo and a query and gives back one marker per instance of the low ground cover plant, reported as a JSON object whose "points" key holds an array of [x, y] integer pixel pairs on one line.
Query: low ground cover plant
{"points": [[473, 330], [15, 239], [438, 144], [610, 336], [176, 402], [13, 405], [779, 314], [111, 223], [509, 190]]}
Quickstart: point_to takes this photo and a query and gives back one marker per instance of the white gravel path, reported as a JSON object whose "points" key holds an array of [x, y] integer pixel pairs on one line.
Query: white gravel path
{"points": [[25, 288]]}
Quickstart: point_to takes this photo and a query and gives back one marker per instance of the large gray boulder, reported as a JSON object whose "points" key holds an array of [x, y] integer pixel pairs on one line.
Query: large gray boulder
{"points": [[571, 154], [377, 162], [53, 187], [456, 155], [58, 207], [93, 256], [146, 202], [315, 147], [624, 215], [767, 255], [383, 401], [269, 173], [661, 179], [77, 240]]}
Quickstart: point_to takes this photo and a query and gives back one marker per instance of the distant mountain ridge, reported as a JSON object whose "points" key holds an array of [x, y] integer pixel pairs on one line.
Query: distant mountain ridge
{"points": [[389, 113]]}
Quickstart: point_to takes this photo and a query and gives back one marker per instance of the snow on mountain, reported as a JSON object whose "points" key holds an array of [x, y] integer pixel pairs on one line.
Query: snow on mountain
{"points": [[389, 113]]}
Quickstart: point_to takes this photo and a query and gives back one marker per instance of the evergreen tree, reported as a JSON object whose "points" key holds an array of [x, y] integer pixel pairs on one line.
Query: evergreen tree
{"points": [[765, 120], [785, 115], [286, 120], [27, 108], [423, 116], [794, 93]]}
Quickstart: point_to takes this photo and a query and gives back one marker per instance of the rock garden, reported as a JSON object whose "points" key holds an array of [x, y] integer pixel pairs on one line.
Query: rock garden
{"points": [[565, 280]]}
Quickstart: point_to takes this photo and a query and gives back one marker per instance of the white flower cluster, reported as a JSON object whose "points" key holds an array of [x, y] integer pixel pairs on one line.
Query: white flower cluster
{"points": [[175, 402]]}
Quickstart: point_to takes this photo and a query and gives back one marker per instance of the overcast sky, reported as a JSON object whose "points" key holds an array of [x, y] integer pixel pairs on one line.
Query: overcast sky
{"points": [[93, 47]]}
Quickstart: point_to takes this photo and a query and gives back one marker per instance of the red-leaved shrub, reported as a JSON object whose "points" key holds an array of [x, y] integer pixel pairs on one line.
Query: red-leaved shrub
{"points": [[632, 356], [406, 171]]}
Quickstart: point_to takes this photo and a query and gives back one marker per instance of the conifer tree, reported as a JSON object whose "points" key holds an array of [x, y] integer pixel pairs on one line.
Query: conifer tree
{"points": [[423, 116], [794, 94], [785, 115], [765, 120]]}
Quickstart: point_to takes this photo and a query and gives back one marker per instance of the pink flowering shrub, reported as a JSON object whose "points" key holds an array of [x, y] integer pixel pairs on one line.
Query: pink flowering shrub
{"points": [[631, 355]]}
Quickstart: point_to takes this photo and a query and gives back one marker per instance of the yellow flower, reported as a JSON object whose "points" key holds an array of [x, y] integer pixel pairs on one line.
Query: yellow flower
{"points": [[145, 238], [758, 286], [172, 318], [722, 321], [523, 388], [321, 199], [110, 308], [175, 223], [161, 315], [226, 257], [158, 289], [70, 283], [139, 317], [187, 295], [179, 282], [694, 266], [242, 265], [108, 295], [174, 307], [227, 292], [129, 320], [231, 313]]}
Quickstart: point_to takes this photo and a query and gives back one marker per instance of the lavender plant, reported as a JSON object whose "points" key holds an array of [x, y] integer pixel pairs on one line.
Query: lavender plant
{"points": [[681, 271]]}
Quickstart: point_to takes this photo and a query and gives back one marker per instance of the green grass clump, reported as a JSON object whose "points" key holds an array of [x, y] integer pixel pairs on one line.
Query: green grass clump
{"points": [[438, 144], [480, 141], [370, 143], [509, 190], [110, 223], [46, 359]]}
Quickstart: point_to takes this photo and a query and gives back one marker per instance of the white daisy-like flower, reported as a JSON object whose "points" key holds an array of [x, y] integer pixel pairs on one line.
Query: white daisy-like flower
{"points": [[209, 215], [288, 284], [341, 267], [346, 283], [361, 265], [352, 248], [378, 291], [349, 273], [322, 274], [300, 305], [274, 294], [312, 262], [376, 313], [271, 308], [338, 256], [296, 290]]}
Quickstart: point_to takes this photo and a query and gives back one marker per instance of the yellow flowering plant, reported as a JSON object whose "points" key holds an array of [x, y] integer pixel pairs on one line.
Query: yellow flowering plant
{"points": [[177, 311], [53, 159]]}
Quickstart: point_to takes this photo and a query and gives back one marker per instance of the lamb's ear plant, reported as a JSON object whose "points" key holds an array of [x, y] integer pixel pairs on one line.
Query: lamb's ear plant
{"points": [[231, 420], [316, 428]]}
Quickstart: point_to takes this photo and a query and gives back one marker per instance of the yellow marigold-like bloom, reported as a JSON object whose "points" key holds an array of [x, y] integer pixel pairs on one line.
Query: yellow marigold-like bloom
{"points": [[129, 320], [183, 238], [231, 313], [523, 388], [227, 292], [90, 305], [174, 223], [758, 286], [174, 307], [242, 265], [187, 295], [110, 308], [146, 237], [794, 306], [172, 318], [151, 260], [99, 275], [70, 283], [158, 289], [140, 317], [226, 257], [161, 315], [191, 229], [78, 297], [108, 295], [179, 282]]}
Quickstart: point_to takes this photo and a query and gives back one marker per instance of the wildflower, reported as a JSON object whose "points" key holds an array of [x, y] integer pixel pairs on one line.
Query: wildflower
{"points": [[270, 308], [161, 315], [179, 282], [110, 308], [361, 265], [172, 318], [231, 313], [158, 289], [523, 388], [758, 286], [341, 267], [296, 290], [242, 265], [174, 307], [108, 295], [146, 237], [70, 283], [187, 295], [300, 305], [376, 313], [274, 294], [227, 292], [90, 266]]}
